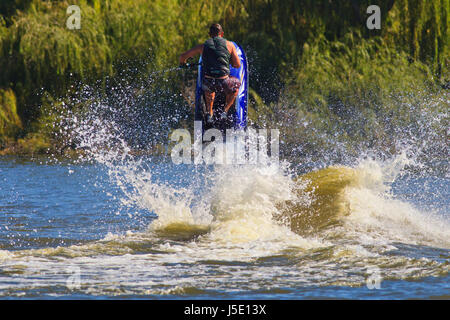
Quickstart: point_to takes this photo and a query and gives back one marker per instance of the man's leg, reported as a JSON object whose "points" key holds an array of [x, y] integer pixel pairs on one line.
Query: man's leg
{"points": [[209, 99], [229, 100], [231, 88]]}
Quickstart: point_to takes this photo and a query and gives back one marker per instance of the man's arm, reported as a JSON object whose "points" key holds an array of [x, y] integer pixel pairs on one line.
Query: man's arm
{"points": [[198, 49], [235, 61]]}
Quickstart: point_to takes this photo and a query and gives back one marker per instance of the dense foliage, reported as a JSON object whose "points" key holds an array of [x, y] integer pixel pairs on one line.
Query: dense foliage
{"points": [[311, 60]]}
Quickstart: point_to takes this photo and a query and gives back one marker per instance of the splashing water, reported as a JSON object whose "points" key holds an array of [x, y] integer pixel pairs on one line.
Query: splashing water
{"points": [[242, 230]]}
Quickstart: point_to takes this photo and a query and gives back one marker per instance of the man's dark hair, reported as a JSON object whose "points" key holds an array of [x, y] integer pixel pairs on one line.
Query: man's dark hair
{"points": [[215, 29]]}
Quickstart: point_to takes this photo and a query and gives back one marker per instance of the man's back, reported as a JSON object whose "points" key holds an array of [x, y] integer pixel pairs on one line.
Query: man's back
{"points": [[216, 57]]}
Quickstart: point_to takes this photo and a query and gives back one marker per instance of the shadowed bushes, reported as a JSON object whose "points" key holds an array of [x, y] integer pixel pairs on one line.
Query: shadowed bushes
{"points": [[10, 123]]}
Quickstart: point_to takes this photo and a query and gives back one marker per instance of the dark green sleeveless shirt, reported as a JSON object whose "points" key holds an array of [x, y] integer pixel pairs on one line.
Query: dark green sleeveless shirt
{"points": [[216, 57]]}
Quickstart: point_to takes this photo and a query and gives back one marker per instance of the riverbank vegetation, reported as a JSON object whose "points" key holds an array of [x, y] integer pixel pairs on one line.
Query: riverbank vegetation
{"points": [[316, 69]]}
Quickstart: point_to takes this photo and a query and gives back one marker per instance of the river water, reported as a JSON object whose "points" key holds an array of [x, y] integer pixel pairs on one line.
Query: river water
{"points": [[146, 228]]}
